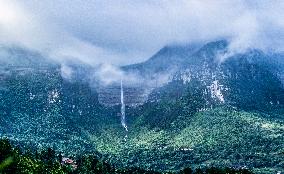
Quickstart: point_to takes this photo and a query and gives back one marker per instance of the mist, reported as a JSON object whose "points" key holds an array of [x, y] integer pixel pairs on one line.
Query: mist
{"points": [[126, 31]]}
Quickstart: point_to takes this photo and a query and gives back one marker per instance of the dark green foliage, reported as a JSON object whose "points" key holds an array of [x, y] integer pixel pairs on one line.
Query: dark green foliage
{"points": [[173, 108], [93, 165], [47, 163], [186, 171], [161, 114], [6, 149], [27, 163], [214, 170], [199, 171], [40, 107], [254, 84]]}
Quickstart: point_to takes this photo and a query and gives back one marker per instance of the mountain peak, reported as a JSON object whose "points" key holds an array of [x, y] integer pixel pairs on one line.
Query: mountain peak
{"points": [[18, 56]]}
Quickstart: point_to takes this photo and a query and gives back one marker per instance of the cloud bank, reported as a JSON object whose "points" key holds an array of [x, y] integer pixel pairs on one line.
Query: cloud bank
{"points": [[129, 31]]}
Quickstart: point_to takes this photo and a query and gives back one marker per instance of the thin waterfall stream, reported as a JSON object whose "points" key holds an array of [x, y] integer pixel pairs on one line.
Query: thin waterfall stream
{"points": [[123, 121]]}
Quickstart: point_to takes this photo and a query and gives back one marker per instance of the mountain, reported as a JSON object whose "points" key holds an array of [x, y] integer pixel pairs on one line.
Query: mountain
{"points": [[168, 58], [185, 108], [40, 108], [249, 80], [17, 56], [247, 85]]}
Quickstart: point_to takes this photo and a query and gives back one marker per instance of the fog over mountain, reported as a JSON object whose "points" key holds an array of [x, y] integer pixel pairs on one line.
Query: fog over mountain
{"points": [[132, 86], [126, 31]]}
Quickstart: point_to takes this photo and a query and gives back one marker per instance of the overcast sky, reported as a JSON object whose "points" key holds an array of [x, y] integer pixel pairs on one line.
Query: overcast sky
{"points": [[129, 31]]}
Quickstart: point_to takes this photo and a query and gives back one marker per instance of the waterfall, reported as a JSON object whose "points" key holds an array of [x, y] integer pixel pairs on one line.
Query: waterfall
{"points": [[123, 122]]}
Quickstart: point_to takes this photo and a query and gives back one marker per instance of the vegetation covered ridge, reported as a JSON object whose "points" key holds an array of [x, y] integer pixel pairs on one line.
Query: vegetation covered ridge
{"points": [[14, 160]]}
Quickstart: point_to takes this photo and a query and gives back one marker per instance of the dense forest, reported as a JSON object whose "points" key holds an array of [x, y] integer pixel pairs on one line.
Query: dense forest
{"points": [[15, 160]]}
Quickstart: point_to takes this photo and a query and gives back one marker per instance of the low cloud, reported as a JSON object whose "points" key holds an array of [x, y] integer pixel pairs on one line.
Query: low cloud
{"points": [[21, 27], [129, 31], [107, 74]]}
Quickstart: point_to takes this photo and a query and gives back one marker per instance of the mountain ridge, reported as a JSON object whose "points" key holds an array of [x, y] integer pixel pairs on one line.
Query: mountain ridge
{"points": [[203, 111]]}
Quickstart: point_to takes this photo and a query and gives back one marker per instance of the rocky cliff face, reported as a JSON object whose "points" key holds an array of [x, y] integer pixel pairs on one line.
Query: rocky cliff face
{"points": [[134, 94]]}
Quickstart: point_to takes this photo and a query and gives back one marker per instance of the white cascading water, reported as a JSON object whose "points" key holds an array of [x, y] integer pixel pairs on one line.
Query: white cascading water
{"points": [[123, 122]]}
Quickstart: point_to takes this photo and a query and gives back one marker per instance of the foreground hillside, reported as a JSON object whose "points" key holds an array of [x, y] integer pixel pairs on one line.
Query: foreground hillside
{"points": [[12, 160], [217, 137]]}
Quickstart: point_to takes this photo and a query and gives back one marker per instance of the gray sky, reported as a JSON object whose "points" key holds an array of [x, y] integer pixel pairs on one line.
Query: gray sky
{"points": [[129, 31]]}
